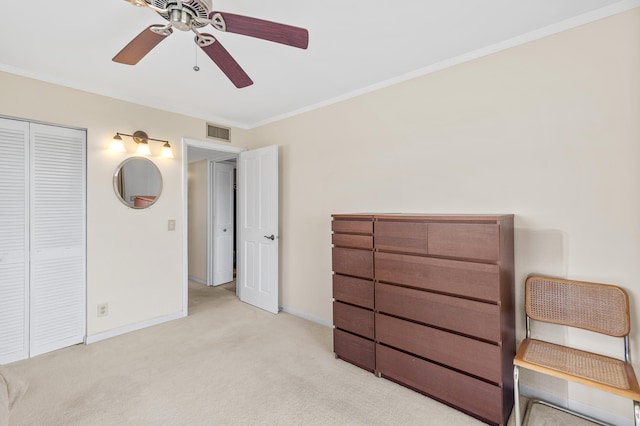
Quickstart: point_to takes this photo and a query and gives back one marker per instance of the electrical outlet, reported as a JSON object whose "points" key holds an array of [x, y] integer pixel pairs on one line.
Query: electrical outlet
{"points": [[171, 225], [103, 310]]}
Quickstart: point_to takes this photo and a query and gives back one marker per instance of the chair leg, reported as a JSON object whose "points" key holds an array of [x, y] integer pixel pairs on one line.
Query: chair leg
{"points": [[636, 412], [516, 395]]}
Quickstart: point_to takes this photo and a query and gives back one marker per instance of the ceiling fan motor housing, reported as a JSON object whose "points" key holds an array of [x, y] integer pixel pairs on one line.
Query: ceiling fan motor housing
{"points": [[190, 14]]}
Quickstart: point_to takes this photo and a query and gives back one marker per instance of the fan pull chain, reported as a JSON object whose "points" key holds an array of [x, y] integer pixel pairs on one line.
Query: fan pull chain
{"points": [[196, 68]]}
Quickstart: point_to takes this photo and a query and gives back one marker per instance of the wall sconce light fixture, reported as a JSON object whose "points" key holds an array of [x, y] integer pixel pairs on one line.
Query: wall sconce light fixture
{"points": [[142, 139]]}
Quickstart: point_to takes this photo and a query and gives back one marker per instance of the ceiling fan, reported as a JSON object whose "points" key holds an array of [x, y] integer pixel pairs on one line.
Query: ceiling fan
{"points": [[190, 15]]}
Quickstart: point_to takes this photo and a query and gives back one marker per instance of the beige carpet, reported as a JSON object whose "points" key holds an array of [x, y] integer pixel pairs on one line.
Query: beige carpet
{"points": [[12, 389], [226, 364]]}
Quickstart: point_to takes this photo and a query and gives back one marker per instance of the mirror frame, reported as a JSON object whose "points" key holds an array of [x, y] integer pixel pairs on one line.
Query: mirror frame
{"points": [[116, 185]]}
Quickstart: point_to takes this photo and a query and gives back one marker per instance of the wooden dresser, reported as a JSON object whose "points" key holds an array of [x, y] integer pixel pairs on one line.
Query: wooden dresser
{"points": [[428, 301]]}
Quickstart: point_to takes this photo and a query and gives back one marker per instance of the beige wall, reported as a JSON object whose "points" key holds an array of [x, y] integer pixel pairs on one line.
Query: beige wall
{"points": [[197, 222], [133, 262], [548, 131]]}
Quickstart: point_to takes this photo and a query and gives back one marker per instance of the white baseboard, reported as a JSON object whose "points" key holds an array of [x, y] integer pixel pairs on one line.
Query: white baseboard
{"points": [[132, 327], [307, 317], [198, 280], [590, 411]]}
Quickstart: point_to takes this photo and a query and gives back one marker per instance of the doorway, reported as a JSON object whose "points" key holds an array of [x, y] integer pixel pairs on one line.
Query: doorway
{"points": [[211, 219], [257, 221], [211, 214]]}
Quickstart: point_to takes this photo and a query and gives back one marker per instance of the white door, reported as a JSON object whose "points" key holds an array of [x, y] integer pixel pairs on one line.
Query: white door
{"points": [[14, 241], [223, 219], [42, 238], [258, 228], [57, 243]]}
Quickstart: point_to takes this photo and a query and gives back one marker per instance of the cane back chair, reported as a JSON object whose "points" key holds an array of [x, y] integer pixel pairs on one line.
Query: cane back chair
{"points": [[596, 307]]}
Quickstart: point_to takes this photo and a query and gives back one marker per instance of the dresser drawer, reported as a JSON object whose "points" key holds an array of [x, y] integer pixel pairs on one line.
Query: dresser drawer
{"points": [[353, 319], [473, 280], [352, 240], [472, 395], [354, 349], [406, 237], [351, 290], [352, 226], [354, 262], [465, 240], [477, 319], [472, 356]]}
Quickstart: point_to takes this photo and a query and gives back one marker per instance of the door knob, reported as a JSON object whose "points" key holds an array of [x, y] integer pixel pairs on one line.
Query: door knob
{"points": [[270, 237]]}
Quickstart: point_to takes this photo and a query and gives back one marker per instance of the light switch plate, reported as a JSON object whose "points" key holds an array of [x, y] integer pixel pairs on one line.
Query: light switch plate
{"points": [[171, 225]]}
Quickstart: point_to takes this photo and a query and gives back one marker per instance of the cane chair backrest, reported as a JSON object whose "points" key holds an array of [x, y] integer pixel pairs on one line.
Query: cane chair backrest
{"points": [[601, 308]]}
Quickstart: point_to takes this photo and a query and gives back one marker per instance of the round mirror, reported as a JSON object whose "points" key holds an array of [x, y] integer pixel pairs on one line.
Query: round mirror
{"points": [[137, 182]]}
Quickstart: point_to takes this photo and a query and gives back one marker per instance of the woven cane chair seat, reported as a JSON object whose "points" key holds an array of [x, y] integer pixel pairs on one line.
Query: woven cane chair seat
{"points": [[580, 366]]}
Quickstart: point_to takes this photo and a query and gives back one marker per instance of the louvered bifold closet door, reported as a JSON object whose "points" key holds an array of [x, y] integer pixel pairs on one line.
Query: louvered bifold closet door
{"points": [[14, 249], [57, 296]]}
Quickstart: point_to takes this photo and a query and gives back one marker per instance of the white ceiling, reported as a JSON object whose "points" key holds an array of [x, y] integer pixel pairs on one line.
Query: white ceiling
{"points": [[354, 46]]}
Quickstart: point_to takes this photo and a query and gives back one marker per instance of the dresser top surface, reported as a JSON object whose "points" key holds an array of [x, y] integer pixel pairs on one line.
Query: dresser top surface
{"points": [[422, 216]]}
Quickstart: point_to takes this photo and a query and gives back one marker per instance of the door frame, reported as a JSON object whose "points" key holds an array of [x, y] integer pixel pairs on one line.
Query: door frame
{"points": [[211, 146]]}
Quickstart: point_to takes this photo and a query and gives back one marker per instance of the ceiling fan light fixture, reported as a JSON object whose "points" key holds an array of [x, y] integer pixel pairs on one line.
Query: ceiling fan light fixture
{"points": [[180, 19]]}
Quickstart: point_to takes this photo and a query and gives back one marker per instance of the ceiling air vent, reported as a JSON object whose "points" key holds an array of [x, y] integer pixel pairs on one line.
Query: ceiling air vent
{"points": [[218, 133]]}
